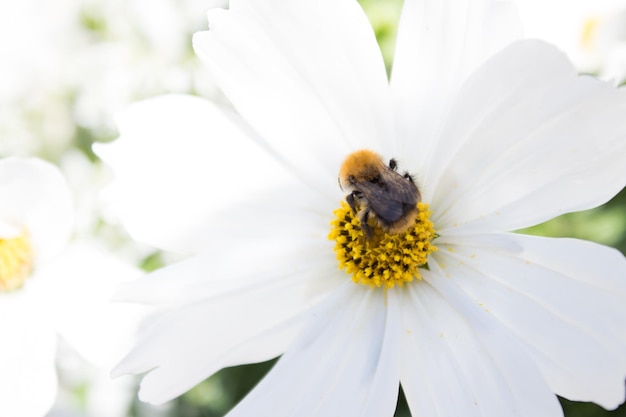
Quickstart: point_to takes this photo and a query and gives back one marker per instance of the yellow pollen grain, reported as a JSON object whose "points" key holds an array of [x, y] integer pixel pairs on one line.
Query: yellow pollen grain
{"points": [[15, 262], [385, 260]]}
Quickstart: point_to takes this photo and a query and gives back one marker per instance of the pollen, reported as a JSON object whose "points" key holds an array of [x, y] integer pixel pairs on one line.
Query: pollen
{"points": [[15, 262], [385, 260]]}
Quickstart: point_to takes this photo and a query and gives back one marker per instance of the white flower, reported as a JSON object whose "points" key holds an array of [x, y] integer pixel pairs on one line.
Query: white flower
{"points": [[592, 33], [497, 141], [71, 65], [49, 288]]}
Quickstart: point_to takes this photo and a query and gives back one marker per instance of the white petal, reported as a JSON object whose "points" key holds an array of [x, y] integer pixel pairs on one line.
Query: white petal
{"points": [[439, 43], [175, 371], [293, 213], [178, 161], [307, 75], [527, 140], [564, 298], [343, 364], [76, 290], [36, 198], [245, 313], [28, 378], [232, 269], [456, 363]]}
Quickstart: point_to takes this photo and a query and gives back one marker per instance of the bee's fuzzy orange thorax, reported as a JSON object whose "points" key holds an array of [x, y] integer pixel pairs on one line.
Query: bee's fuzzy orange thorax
{"points": [[362, 164]]}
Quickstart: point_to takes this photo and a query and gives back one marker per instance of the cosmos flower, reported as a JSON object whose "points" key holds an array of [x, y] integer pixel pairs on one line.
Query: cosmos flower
{"points": [[593, 34], [48, 288], [468, 317]]}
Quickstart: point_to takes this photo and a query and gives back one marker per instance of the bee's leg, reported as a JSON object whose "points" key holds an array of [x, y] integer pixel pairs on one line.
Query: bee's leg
{"points": [[351, 199], [409, 177], [393, 164], [363, 217]]}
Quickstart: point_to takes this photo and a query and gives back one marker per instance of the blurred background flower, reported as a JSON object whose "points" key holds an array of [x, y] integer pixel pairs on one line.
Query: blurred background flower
{"points": [[50, 292], [69, 66], [592, 33]]}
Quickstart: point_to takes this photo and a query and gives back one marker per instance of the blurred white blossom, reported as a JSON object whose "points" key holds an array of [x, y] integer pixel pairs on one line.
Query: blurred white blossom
{"points": [[591, 32], [51, 287], [70, 66]]}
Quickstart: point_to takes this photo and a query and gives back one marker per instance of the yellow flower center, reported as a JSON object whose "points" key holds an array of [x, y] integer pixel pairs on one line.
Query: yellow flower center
{"points": [[589, 33], [384, 260], [16, 258]]}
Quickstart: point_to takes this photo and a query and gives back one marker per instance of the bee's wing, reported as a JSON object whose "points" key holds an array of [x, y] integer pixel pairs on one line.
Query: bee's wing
{"points": [[385, 208], [389, 197], [400, 188]]}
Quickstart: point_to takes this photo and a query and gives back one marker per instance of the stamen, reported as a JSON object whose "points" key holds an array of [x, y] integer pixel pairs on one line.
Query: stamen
{"points": [[384, 260], [15, 262], [589, 33]]}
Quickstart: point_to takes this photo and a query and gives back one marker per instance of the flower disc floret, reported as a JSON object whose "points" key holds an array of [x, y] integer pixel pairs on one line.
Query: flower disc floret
{"points": [[15, 261], [384, 260]]}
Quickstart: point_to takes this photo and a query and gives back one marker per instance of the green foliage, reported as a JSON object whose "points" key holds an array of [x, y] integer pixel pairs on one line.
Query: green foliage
{"points": [[152, 262], [216, 395], [383, 16], [577, 409], [605, 224]]}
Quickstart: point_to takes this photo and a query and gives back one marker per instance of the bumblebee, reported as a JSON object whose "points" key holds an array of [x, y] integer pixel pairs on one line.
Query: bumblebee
{"points": [[378, 191]]}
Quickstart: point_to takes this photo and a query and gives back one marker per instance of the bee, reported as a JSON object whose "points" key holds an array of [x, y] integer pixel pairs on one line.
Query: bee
{"points": [[378, 191]]}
